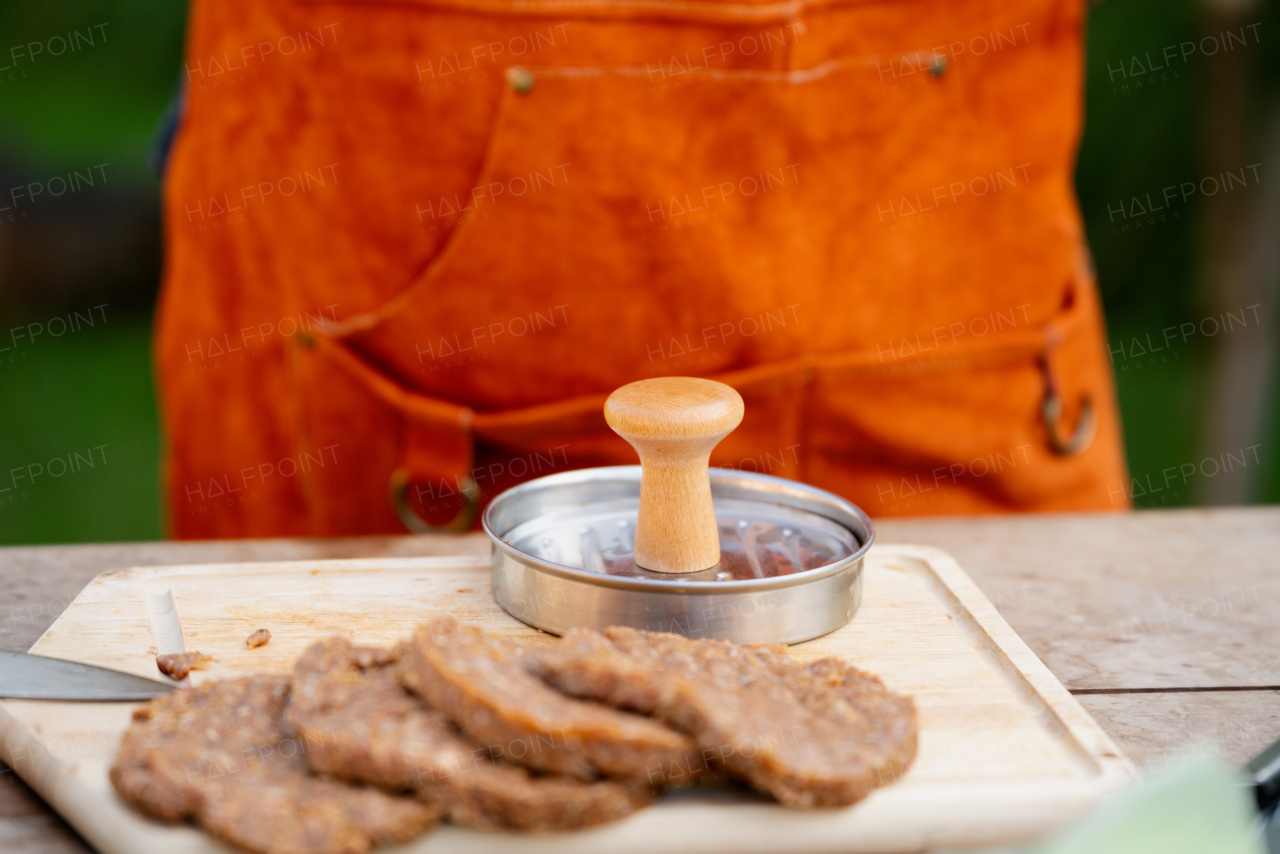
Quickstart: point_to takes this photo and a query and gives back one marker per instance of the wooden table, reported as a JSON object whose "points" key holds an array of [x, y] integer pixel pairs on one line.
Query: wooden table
{"points": [[1166, 624]]}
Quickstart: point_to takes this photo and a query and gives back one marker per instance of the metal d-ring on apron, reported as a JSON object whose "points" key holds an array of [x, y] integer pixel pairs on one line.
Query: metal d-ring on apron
{"points": [[399, 489], [467, 487], [1051, 413]]}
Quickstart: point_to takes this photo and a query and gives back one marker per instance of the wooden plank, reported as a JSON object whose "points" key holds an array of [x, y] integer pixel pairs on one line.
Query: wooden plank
{"points": [[1137, 600], [1005, 751], [1176, 599], [1047, 575], [28, 826], [40, 581], [1158, 731]]}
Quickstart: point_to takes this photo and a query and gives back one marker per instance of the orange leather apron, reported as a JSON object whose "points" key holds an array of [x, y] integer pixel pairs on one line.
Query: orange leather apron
{"points": [[414, 244]]}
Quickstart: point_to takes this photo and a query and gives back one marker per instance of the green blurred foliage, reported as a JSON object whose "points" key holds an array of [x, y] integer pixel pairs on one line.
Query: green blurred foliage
{"points": [[1140, 136], [88, 393], [93, 387], [98, 103], [1135, 142]]}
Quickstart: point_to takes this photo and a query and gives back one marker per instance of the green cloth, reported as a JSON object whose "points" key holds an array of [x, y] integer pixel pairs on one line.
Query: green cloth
{"points": [[1200, 808]]}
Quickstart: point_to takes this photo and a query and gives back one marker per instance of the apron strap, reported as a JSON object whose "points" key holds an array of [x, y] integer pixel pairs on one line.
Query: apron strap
{"points": [[438, 437], [437, 447]]}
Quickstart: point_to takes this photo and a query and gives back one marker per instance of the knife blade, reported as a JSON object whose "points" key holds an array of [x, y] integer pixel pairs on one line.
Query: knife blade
{"points": [[35, 677]]}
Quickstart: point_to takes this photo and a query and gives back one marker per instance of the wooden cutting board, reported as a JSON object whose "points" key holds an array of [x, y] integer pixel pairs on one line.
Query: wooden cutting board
{"points": [[1005, 752]]}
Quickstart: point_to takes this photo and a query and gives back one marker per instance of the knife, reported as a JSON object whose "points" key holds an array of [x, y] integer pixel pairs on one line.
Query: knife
{"points": [[35, 677], [1263, 774]]}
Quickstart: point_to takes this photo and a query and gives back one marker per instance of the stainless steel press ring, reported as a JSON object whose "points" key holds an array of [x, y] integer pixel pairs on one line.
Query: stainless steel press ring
{"points": [[790, 559], [671, 546]]}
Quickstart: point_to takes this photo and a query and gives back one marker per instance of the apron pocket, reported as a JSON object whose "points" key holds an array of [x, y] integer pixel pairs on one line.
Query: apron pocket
{"points": [[608, 215], [1021, 420]]}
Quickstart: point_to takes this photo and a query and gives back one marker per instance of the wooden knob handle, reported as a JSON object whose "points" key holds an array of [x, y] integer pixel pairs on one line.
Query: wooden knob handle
{"points": [[673, 423]]}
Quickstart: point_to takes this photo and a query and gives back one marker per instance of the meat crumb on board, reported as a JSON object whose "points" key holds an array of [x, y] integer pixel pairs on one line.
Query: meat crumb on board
{"points": [[257, 639], [176, 665]]}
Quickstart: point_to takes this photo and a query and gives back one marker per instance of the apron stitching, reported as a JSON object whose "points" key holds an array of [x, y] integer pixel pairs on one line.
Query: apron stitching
{"points": [[796, 76], [684, 9], [804, 368]]}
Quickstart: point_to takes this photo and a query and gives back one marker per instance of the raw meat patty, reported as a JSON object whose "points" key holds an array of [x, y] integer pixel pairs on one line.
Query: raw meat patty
{"points": [[222, 755], [361, 725], [486, 688], [820, 735]]}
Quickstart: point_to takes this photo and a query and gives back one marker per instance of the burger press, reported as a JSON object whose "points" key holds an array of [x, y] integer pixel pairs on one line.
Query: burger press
{"points": [[671, 545]]}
